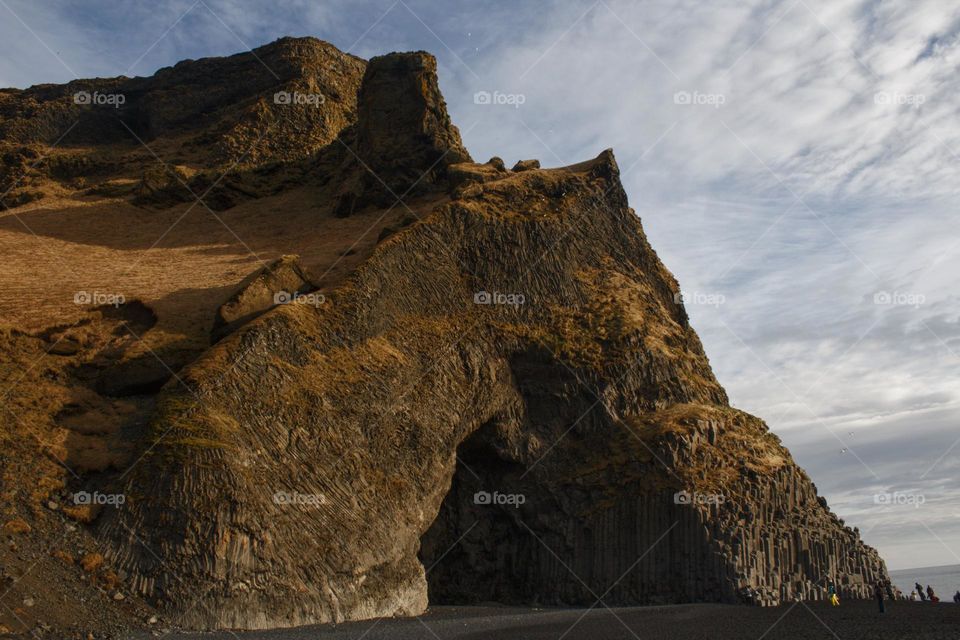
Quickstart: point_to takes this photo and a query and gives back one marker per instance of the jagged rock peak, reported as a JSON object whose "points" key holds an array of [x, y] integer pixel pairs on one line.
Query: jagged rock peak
{"points": [[403, 120], [404, 136]]}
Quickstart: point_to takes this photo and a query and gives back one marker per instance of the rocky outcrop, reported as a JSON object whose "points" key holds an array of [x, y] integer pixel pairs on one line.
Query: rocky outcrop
{"points": [[404, 138], [465, 173], [282, 101], [279, 282], [688, 504], [526, 165], [504, 402]]}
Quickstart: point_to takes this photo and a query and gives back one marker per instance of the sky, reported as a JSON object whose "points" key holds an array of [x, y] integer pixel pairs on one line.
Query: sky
{"points": [[794, 165]]}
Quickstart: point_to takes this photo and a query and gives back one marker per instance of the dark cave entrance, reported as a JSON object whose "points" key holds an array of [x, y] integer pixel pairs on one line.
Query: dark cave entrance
{"points": [[515, 543], [477, 548]]}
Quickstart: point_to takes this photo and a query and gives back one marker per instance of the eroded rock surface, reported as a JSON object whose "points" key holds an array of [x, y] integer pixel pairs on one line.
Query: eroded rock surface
{"points": [[404, 139], [504, 401], [527, 324], [276, 283], [290, 97]]}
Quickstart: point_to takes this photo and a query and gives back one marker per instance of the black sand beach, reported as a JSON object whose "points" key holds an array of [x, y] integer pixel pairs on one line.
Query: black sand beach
{"points": [[799, 621]]}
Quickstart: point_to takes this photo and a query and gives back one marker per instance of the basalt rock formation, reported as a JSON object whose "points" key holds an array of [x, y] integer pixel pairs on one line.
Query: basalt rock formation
{"points": [[276, 283], [294, 96], [503, 400], [404, 139]]}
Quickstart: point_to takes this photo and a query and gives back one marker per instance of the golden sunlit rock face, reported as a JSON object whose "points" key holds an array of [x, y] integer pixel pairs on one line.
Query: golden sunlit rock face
{"points": [[361, 372]]}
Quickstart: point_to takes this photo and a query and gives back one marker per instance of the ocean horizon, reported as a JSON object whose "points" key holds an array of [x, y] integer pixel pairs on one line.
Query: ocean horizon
{"points": [[944, 579]]}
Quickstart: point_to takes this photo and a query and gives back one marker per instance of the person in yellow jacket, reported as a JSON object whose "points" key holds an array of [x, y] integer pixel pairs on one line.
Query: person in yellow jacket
{"points": [[834, 598]]}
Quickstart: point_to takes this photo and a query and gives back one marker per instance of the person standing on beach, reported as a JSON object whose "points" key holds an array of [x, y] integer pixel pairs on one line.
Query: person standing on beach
{"points": [[923, 598], [832, 590], [930, 594], [878, 594], [956, 597], [889, 589], [913, 596]]}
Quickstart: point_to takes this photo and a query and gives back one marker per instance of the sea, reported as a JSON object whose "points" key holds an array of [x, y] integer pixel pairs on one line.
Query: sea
{"points": [[945, 580]]}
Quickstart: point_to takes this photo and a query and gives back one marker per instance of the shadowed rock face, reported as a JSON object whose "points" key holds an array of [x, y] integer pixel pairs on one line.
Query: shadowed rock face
{"points": [[404, 137], [501, 403]]}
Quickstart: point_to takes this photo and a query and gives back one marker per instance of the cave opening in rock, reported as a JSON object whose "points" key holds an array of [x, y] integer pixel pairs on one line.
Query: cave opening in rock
{"points": [[475, 550]]}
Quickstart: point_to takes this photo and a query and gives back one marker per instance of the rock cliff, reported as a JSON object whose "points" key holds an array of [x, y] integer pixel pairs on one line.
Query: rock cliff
{"points": [[506, 392], [503, 401]]}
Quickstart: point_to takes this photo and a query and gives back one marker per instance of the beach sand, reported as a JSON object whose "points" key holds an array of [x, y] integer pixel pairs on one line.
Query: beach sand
{"points": [[853, 620]]}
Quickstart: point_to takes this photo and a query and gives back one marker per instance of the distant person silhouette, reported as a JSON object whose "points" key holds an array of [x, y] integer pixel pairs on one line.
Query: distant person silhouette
{"points": [[930, 594], [878, 594], [956, 597], [913, 596], [889, 588], [923, 597]]}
